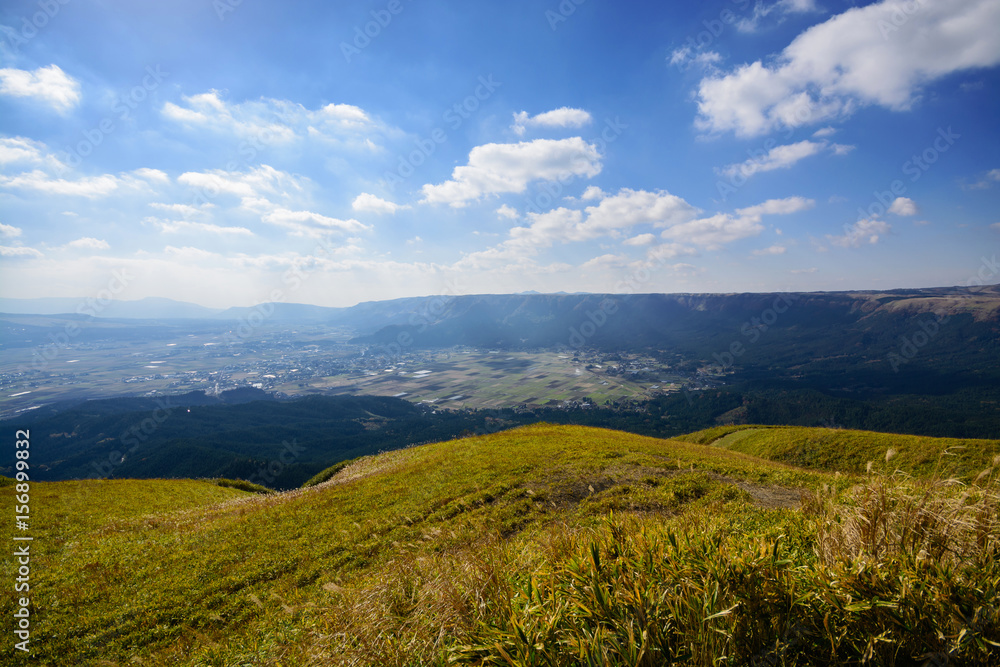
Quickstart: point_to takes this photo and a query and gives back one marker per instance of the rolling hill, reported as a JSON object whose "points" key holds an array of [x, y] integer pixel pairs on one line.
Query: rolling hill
{"points": [[547, 544]]}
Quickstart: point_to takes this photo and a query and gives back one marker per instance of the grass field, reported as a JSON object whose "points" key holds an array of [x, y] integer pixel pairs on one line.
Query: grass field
{"points": [[542, 545]]}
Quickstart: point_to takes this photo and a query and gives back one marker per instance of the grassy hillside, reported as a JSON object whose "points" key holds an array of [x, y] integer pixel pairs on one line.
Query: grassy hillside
{"points": [[543, 545], [850, 451]]}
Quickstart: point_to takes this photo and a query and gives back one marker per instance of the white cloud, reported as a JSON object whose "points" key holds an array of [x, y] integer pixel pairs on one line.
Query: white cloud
{"points": [[371, 203], [272, 121], [664, 251], [772, 250], [310, 224], [629, 208], [9, 231], [717, 230], [641, 239], [90, 187], [903, 206], [825, 132], [508, 212], [8, 251], [22, 149], [781, 7], [88, 243], [248, 184], [682, 56], [561, 117], [499, 168], [860, 233], [991, 178], [593, 192], [187, 226], [860, 57], [779, 157], [804, 271], [154, 175], [191, 254], [784, 206], [604, 262], [185, 210], [48, 84]]}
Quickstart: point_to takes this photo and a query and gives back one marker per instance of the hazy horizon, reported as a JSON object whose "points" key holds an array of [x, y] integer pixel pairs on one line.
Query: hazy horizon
{"points": [[230, 154]]}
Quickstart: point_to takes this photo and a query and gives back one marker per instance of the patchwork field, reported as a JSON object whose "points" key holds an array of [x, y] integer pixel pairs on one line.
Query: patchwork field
{"points": [[485, 379]]}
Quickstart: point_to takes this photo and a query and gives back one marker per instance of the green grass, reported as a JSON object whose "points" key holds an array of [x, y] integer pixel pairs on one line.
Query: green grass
{"points": [[851, 451], [542, 545]]}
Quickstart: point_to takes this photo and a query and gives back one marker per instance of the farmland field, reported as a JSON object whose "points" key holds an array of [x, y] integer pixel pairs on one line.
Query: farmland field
{"points": [[488, 379]]}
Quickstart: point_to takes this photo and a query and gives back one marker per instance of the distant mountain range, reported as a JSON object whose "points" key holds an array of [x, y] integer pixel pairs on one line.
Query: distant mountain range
{"points": [[531, 306]]}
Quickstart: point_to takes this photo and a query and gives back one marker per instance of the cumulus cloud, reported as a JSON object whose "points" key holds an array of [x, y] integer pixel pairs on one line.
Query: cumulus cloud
{"points": [[772, 250], [372, 204], [864, 56], [88, 243], [785, 206], [685, 57], [500, 168], [14, 150], [615, 215], [779, 157], [310, 224], [776, 10], [186, 210], [264, 179], [187, 226], [641, 239], [508, 212], [563, 117], [715, 231], [991, 178], [90, 187], [19, 251], [903, 206], [9, 231], [272, 121], [860, 233], [49, 84]]}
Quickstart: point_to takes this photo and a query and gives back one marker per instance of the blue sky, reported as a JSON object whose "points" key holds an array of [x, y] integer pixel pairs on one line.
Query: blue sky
{"points": [[231, 152]]}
